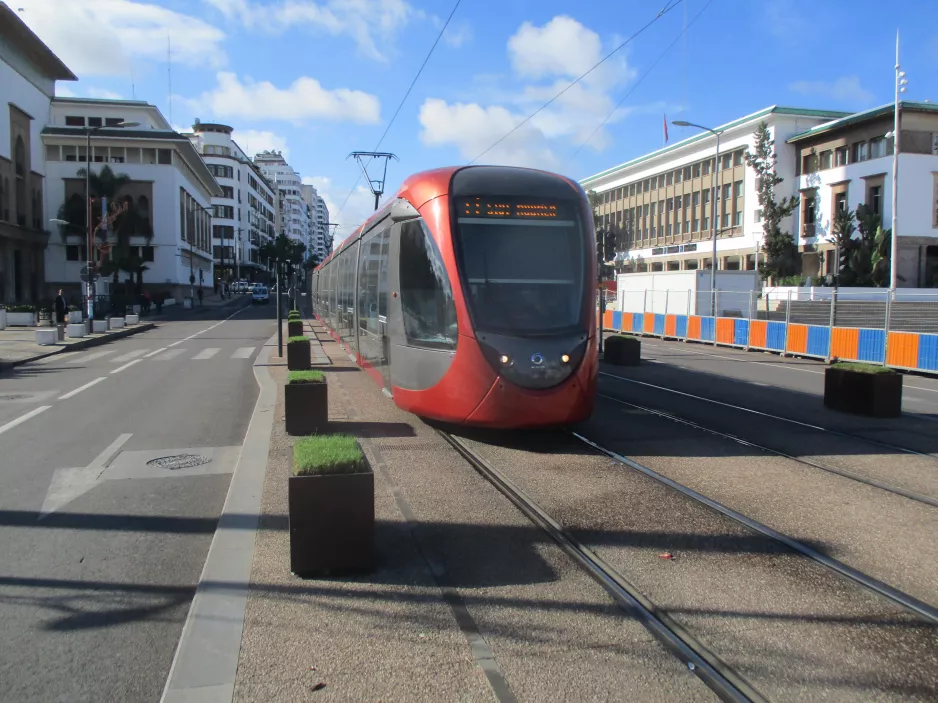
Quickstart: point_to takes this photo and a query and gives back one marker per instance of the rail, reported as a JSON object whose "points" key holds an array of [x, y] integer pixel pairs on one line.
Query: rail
{"points": [[901, 333]]}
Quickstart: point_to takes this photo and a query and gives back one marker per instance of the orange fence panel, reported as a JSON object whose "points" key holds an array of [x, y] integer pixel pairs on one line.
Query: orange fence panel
{"points": [[626, 322], [757, 333], [670, 325], [902, 349], [726, 330], [649, 323], [845, 343], [797, 339], [693, 327], [607, 320]]}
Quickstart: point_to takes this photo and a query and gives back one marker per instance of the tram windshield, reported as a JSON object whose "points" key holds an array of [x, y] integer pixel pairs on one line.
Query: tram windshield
{"points": [[522, 262]]}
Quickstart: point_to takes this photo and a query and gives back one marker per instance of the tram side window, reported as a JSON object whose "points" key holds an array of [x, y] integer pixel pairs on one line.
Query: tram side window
{"points": [[368, 285], [426, 294]]}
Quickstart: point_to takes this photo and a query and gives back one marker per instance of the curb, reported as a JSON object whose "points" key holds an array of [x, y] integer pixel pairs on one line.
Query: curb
{"points": [[84, 344], [205, 663]]}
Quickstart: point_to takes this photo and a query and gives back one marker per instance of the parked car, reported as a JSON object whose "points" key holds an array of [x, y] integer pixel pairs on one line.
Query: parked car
{"points": [[259, 295]]}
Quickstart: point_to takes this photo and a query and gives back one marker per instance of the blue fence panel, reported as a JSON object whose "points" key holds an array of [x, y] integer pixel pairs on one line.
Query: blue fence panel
{"points": [[819, 340], [659, 325], [872, 346], [741, 336], [617, 320], [638, 319], [928, 352], [775, 336], [707, 329], [681, 328]]}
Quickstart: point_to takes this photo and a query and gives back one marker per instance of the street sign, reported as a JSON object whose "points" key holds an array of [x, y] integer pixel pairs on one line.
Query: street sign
{"points": [[84, 274]]}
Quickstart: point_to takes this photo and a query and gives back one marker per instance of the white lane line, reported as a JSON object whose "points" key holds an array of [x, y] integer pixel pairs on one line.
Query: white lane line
{"points": [[243, 353], [78, 390], [154, 353], [175, 343], [206, 354], [91, 357], [23, 418], [129, 355], [127, 365], [171, 354]]}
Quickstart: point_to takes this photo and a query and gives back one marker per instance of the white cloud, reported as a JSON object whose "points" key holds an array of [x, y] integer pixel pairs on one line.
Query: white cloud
{"points": [[100, 37], [457, 34], [369, 23], [253, 141], [845, 90], [543, 71], [303, 99], [104, 94], [360, 205]]}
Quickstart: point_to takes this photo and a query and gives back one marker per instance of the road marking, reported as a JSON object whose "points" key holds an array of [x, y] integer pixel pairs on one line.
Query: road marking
{"points": [[69, 484], [91, 357], [206, 354], [23, 418], [171, 354], [129, 355], [243, 353], [78, 390], [154, 353], [125, 366]]}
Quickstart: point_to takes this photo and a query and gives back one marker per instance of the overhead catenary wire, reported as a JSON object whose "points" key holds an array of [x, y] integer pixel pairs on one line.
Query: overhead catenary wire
{"points": [[639, 82], [404, 99], [665, 10]]}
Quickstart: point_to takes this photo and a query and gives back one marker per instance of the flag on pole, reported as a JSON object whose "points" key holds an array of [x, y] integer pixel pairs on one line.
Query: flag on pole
{"points": [[665, 129]]}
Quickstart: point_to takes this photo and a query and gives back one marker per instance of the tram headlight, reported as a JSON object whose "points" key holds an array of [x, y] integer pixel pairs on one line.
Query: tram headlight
{"points": [[505, 359], [565, 358]]}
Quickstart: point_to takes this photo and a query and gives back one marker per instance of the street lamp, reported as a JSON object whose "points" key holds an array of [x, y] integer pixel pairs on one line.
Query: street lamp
{"points": [[89, 157], [713, 209], [901, 83]]}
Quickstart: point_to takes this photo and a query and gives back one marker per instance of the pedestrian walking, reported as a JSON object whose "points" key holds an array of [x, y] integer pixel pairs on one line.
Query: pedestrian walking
{"points": [[61, 307], [200, 296]]}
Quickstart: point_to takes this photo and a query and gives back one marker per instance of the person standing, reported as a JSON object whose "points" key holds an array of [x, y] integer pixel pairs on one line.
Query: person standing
{"points": [[61, 306]]}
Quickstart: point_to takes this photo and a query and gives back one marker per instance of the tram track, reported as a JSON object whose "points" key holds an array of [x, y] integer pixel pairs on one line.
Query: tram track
{"points": [[896, 490], [728, 684]]}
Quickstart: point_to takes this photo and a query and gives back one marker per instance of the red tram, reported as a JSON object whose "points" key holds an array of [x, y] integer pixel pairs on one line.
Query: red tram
{"points": [[469, 297]]}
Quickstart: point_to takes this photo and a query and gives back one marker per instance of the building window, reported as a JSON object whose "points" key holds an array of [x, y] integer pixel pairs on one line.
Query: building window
{"points": [[670, 178], [877, 147], [706, 168], [809, 163], [112, 121], [695, 225], [165, 156], [227, 192], [876, 200], [827, 159], [738, 157], [74, 121], [147, 253], [726, 220], [19, 157], [840, 156], [757, 215], [696, 171], [726, 191], [76, 252], [861, 152], [737, 219], [738, 189]]}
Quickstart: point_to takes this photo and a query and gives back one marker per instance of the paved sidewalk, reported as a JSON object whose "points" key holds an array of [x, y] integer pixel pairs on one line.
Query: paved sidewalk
{"points": [[18, 344]]}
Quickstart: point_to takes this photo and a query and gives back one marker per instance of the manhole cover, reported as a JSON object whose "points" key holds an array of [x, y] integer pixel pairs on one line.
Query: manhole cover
{"points": [[14, 397], [178, 461]]}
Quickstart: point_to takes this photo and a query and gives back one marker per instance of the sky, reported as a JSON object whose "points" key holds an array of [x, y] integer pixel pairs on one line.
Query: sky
{"points": [[319, 79]]}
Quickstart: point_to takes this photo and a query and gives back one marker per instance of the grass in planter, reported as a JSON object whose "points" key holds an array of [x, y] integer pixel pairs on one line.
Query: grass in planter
{"points": [[293, 315], [327, 454], [862, 368], [298, 339], [306, 376]]}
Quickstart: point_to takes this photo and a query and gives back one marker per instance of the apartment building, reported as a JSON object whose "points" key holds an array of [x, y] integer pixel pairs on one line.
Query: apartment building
{"points": [[320, 243], [244, 217], [28, 72], [294, 219], [163, 242], [660, 203], [848, 162]]}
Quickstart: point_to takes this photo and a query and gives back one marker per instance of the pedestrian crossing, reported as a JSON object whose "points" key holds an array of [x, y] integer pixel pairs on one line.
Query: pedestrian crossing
{"points": [[119, 358]]}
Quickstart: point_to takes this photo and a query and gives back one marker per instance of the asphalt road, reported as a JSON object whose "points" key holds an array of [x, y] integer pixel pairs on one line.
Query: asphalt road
{"points": [[100, 551]]}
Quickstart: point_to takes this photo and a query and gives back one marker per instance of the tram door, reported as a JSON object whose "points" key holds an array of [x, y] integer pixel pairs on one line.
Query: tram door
{"points": [[372, 302]]}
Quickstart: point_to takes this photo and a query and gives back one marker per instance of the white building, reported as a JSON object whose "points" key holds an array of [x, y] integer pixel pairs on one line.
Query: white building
{"points": [[848, 162], [319, 244], [244, 217], [28, 72], [294, 220], [166, 243], [660, 202]]}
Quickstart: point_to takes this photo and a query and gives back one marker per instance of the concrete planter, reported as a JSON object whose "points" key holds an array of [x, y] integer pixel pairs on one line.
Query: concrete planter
{"points": [[295, 328], [298, 358], [622, 351], [116, 323], [306, 406], [75, 331], [47, 336], [21, 319], [187, 303], [3, 319], [332, 522], [861, 393], [99, 327], [60, 333], [74, 317], [132, 319]]}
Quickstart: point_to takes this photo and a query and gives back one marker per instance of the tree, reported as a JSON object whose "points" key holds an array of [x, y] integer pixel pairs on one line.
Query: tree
{"points": [[779, 247], [867, 257], [288, 251], [843, 229], [606, 237]]}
